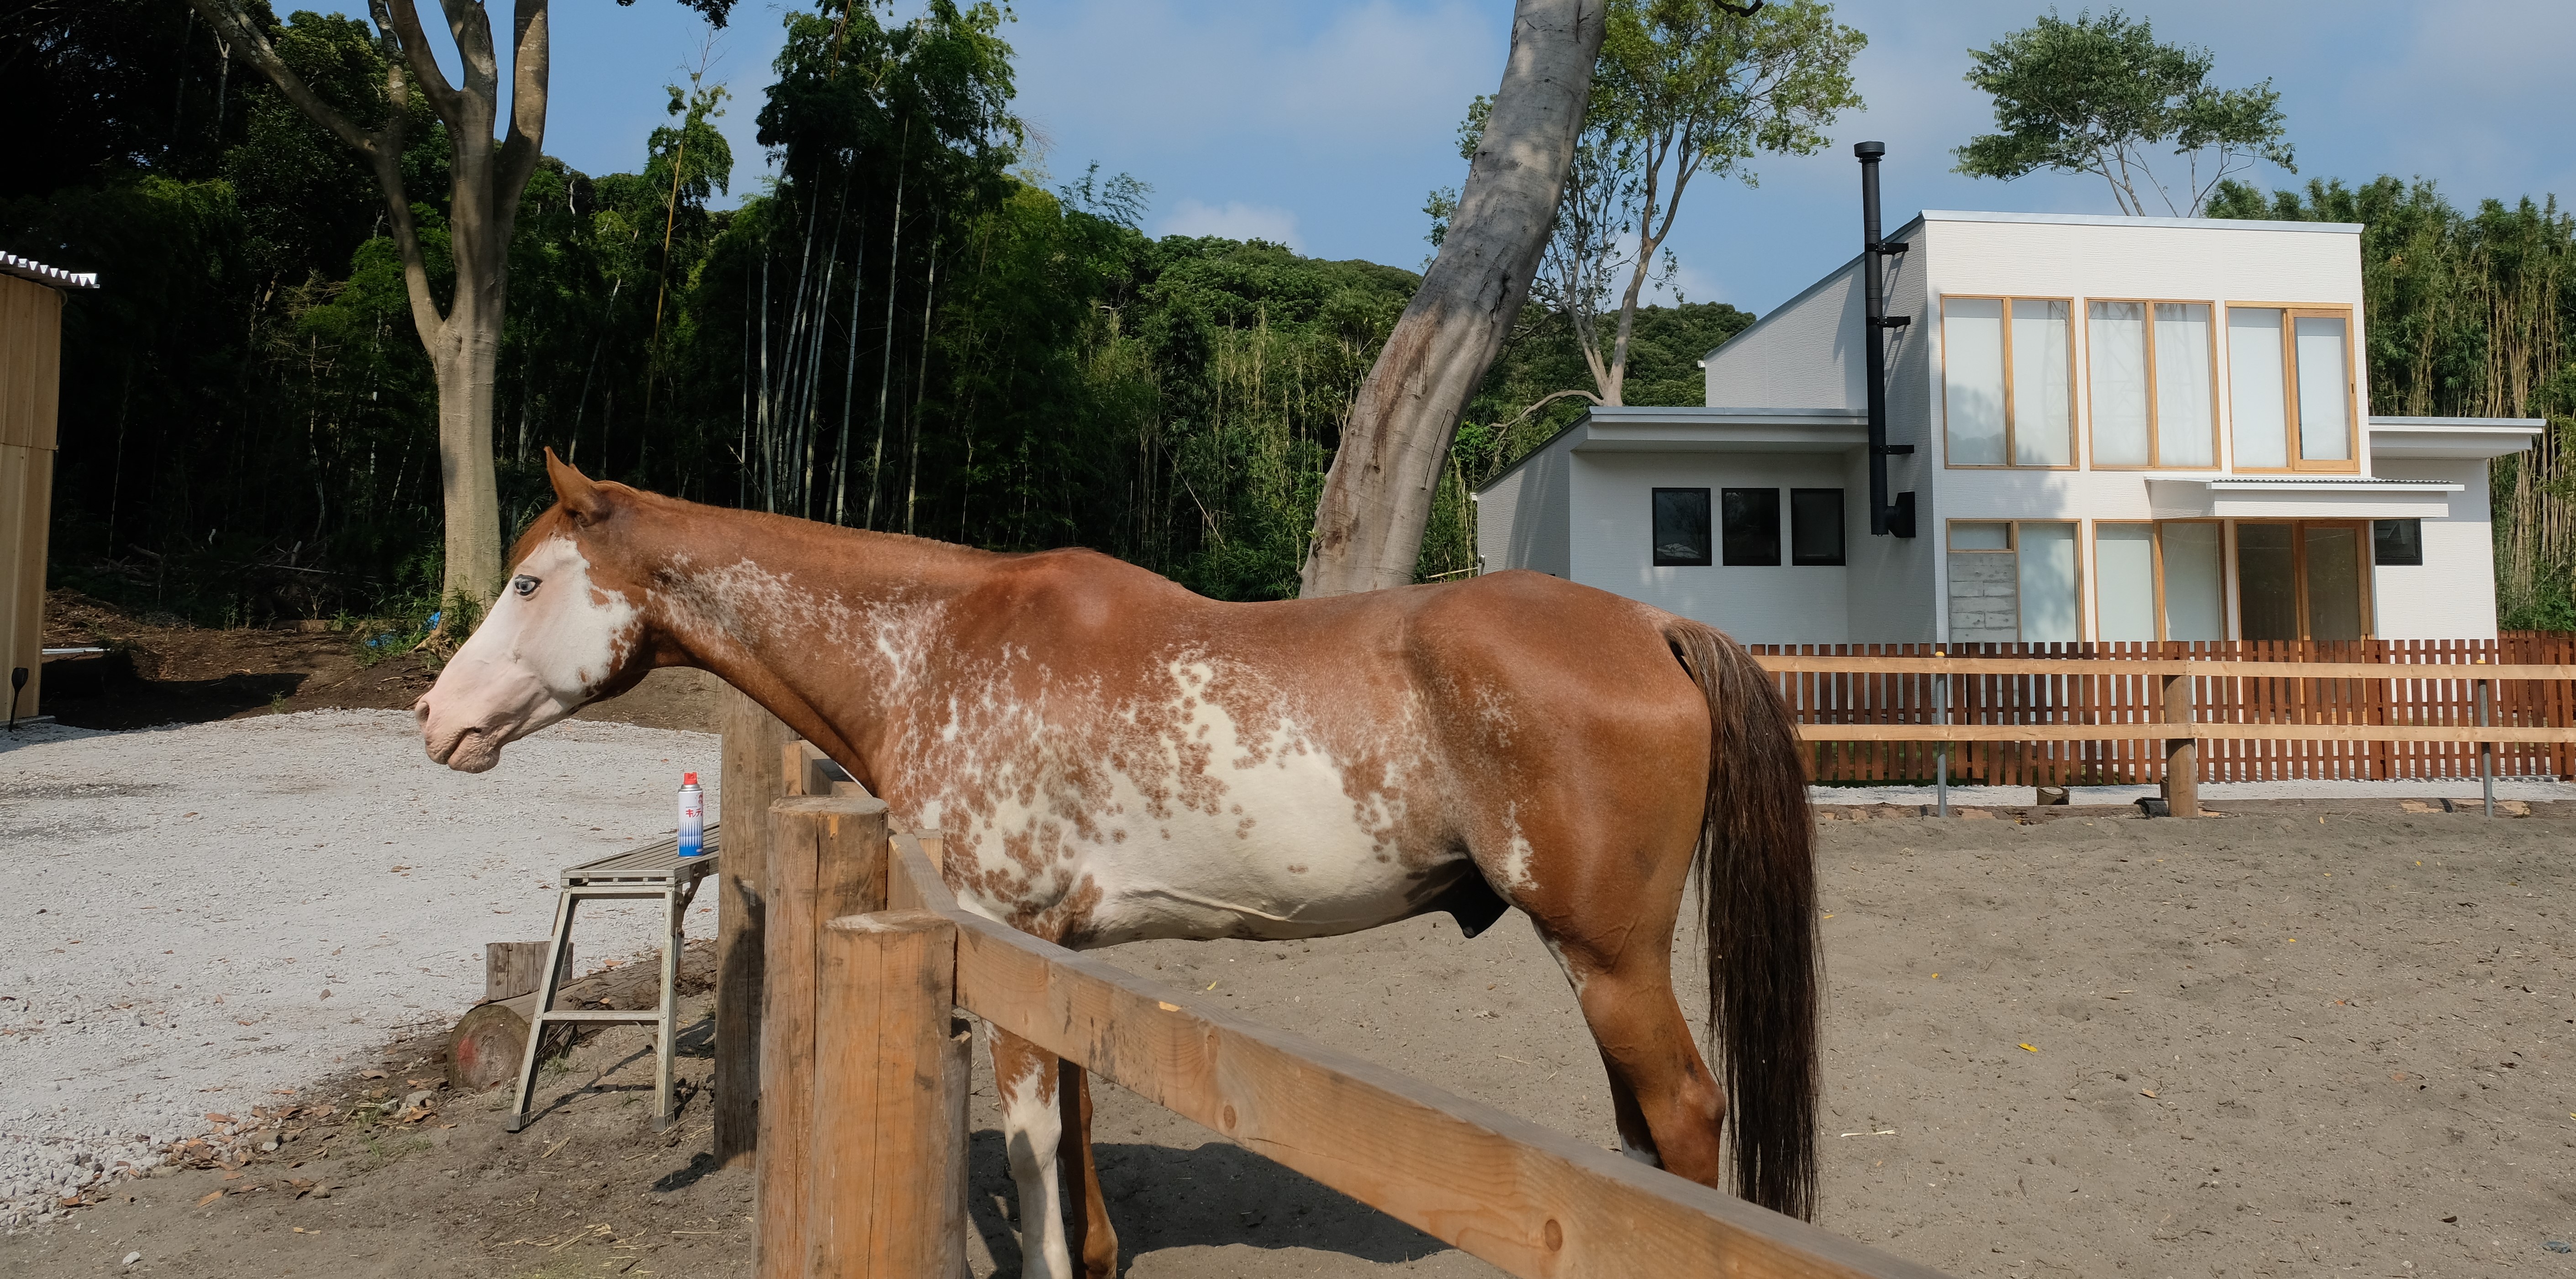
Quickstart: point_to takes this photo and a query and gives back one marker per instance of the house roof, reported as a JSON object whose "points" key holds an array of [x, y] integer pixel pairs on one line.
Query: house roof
{"points": [[2453, 437], [30, 269], [2098, 219], [1643, 428]]}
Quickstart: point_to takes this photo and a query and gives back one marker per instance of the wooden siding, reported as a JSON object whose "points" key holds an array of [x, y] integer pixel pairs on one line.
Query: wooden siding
{"points": [[30, 381]]}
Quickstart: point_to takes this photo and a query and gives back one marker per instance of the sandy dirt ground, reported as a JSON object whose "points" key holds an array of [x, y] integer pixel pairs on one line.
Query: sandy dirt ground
{"points": [[2300, 1040]]}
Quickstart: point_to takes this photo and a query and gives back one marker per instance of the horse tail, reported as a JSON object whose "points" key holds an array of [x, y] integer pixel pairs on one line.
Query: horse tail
{"points": [[1757, 894]]}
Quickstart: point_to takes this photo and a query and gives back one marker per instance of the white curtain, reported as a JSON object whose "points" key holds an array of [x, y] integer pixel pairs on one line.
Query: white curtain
{"points": [[2043, 403], [2195, 585], [2325, 382], [1972, 355], [2257, 395], [2124, 581], [2186, 428], [2115, 341], [2049, 609]]}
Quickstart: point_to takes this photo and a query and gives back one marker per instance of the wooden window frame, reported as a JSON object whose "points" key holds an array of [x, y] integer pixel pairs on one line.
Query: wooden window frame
{"points": [[2084, 622], [2155, 437], [2156, 555], [2074, 437], [2290, 313], [2368, 604]]}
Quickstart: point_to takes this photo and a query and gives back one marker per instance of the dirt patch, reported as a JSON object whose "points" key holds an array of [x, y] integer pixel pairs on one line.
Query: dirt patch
{"points": [[386, 1173], [2090, 1046], [163, 671]]}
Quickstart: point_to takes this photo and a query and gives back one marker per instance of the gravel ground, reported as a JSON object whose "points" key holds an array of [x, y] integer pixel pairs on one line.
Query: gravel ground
{"points": [[209, 916]]}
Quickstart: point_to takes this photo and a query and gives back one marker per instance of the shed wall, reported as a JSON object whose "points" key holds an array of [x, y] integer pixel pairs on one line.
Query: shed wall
{"points": [[31, 336]]}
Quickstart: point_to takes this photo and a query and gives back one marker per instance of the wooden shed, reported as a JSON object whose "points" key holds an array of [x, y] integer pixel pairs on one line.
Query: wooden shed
{"points": [[31, 364]]}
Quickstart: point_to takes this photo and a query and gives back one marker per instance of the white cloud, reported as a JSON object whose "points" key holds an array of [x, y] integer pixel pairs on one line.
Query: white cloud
{"points": [[1234, 219]]}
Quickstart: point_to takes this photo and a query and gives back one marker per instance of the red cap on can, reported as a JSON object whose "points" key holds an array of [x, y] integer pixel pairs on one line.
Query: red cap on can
{"points": [[688, 779]]}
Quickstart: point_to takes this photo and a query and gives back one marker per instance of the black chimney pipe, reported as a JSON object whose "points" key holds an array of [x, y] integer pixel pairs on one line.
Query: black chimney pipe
{"points": [[1886, 516]]}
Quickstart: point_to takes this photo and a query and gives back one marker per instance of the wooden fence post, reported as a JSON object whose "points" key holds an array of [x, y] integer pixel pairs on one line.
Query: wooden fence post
{"points": [[752, 782], [827, 858], [2182, 754], [886, 1181]]}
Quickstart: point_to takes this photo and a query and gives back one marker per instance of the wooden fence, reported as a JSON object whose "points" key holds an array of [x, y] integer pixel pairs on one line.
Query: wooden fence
{"points": [[2286, 687], [863, 1114]]}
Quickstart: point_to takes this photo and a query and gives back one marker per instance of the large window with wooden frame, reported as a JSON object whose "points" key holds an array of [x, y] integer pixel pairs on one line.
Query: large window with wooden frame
{"points": [[2153, 388], [2291, 401], [2159, 581], [2008, 376], [2303, 579], [2014, 580]]}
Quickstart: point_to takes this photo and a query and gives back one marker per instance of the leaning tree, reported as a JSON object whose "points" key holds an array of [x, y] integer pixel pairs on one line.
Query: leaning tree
{"points": [[487, 171], [1377, 496]]}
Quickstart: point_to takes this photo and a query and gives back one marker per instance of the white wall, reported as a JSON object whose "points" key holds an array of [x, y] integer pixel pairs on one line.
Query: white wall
{"points": [[2452, 595], [1614, 525], [1804, 355], [1896, 582], [1521, 521]]}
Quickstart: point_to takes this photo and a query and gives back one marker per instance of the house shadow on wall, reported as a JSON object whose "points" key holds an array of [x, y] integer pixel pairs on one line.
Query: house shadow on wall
{"points": [[1211, 1195]]}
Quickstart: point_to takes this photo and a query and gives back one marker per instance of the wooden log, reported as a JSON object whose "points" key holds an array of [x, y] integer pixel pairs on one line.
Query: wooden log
{"points": [[483, 1046], [827, 858], [886, 1189], [513, 968], [2182, 754], [1531, 1201], [752, 782]]}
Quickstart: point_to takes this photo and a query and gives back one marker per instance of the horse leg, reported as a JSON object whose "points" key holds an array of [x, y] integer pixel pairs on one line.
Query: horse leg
{"points": [[1091, 1237], [1668, 1107], [1025, 1076]]}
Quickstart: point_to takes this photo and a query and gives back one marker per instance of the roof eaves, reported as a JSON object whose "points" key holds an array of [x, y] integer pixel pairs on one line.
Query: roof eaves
{"points": [[30, 269]]}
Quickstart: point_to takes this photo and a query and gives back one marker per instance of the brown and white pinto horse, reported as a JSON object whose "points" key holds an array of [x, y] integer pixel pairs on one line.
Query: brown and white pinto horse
{"points": [[1111, 757]]}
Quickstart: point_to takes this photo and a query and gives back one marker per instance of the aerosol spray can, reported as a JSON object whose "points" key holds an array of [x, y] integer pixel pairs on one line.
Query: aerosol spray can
{"points": [[693, 816]]}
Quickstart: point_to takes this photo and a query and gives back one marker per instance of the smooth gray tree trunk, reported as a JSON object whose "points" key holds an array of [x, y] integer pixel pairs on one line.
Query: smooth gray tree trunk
{"points": [[1377, 497]]}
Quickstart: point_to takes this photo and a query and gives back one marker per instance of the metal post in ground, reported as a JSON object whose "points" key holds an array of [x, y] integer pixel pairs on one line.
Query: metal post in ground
{"points": [[2486, 750], [1941, 752]]}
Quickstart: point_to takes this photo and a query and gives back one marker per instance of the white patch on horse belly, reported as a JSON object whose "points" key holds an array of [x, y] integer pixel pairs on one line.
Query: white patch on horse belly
{"points": [[1185, 871]]}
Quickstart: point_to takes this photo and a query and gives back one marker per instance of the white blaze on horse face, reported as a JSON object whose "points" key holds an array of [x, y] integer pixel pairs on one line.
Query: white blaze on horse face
{"points": [[549, 644]]}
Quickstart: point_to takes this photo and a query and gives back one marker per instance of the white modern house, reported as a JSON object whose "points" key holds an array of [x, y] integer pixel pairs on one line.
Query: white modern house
{"points": [[2119, 429]]}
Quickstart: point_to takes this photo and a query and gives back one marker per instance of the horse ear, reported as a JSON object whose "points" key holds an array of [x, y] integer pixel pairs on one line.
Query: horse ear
{"points": [[578, 493]]}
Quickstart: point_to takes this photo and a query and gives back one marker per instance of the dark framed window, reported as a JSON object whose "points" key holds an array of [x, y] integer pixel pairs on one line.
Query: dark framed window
{"points": [[1681, 527], [1816, 527], [1752, 527], [2397, 542]]}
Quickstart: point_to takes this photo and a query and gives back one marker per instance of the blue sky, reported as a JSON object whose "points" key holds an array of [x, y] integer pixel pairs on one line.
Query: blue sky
{"points": [[1323, 124]]}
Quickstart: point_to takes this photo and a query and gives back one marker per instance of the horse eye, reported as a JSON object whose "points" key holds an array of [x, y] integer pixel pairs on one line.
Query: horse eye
{"points": [[524, 585]]}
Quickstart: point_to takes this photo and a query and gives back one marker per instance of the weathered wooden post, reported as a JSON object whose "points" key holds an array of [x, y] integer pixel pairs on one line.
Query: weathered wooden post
{"points": [[827, 858], [752, 781], [886, 1174], [2182, 754]]}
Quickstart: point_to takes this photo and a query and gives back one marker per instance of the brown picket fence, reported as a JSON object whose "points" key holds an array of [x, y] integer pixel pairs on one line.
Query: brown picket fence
{"points": [[1865, 697]]}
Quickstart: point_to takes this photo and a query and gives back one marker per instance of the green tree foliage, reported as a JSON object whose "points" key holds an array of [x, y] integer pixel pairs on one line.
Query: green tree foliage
{"points": [[2466, 313], [2101, 96]]}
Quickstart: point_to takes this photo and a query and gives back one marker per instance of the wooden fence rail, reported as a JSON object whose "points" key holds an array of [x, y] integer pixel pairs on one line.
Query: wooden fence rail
{"points": [[863, 1138], [2054, 714]]}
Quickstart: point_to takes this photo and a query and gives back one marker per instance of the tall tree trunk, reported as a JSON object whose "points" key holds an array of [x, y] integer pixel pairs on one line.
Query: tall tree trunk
{"points": [[486, 176], [1377, 497]]}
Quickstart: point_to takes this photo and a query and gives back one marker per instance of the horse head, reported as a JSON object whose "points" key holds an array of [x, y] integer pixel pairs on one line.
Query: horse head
{"points": [[568, 629]]}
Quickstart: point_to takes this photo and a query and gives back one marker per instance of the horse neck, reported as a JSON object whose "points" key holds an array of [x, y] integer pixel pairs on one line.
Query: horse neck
{"points": [[824, 627]]}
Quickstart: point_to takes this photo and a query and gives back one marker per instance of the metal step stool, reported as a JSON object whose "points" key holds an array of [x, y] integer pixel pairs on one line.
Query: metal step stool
{"points": [[654, 871]]}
